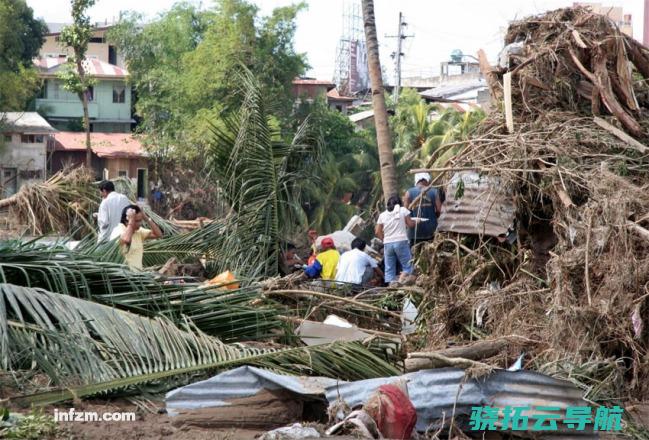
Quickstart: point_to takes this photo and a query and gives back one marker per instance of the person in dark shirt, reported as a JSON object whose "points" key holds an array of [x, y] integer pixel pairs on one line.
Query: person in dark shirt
{"points": [[428, 206]]}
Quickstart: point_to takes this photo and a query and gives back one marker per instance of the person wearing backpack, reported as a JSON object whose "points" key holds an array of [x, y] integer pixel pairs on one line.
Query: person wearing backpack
{"points": [[427, 208]]}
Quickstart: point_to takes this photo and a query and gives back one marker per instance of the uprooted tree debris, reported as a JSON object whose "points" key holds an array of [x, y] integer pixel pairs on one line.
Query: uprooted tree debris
{"points": [[566, 284], [571, 156]]}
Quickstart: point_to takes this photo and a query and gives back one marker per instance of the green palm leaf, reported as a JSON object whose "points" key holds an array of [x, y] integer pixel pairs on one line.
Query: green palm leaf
{"points": [[228, 315], [88, 348]]}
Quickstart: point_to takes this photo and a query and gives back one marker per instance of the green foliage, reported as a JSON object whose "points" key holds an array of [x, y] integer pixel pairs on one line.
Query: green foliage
{"points": [[422, 139], [21, 37], [77, 36], [259, 174], [184, 67], [18, 88], [34, 426], [84, 274], [87, 348]]}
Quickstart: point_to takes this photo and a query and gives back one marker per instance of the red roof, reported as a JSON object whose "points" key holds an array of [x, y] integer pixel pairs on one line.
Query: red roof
{"points": [[50, 66], [105, 145], [333, 94]]}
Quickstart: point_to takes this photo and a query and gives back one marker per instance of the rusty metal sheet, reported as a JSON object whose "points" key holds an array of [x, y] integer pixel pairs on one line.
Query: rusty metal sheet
{"points": [[476, 204], [442, 393]]}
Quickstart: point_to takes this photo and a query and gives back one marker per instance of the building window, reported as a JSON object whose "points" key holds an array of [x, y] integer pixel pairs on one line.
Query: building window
{"points": [[91, 94], [97, 39], [31, 138], [7, 138], [42, 93], [122, 173], [119, 94], [112, 55]]}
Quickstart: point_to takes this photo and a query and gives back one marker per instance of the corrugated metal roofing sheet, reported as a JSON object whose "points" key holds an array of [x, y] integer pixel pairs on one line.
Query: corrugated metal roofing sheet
{"points": [[481, 207], [438, 394], [105, 145], [240, 382], [25, 122], [50, 66]]}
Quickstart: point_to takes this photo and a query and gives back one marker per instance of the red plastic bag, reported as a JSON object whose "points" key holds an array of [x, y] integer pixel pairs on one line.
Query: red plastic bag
{"points": [[394, 414]]}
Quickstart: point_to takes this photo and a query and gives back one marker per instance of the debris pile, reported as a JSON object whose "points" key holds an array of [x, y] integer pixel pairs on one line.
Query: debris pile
{"points": [[571, 275]]}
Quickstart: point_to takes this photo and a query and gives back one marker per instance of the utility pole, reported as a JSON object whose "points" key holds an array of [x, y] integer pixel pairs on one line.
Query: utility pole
{"points": [[398, 54]]}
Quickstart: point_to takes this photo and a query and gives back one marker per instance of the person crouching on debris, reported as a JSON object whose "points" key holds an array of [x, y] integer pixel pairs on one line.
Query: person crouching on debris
{"points": [[355, 266], [392, 227], [326, 262], [289, 261], [110, 209], [425, 205], [132, 236]]}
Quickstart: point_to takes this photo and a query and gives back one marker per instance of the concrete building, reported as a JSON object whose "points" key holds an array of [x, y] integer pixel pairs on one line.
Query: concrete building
{"points": [[113, 155], [109, 103], [338, 102], [99, 47], [23, 150], [309, 89]]}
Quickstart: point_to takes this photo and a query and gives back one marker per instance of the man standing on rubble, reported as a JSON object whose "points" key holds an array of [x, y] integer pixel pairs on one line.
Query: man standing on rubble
{"points": [[427, 208], [110, 209]]}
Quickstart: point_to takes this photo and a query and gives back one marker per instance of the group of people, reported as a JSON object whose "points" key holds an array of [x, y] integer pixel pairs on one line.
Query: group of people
{"points": [[399, 227], [120, 219]]}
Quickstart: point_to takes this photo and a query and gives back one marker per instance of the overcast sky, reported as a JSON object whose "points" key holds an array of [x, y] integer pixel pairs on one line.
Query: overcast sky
{"points": [[438, 26]]}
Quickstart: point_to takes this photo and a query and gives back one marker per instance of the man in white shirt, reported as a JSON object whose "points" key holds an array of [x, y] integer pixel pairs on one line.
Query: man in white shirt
{"points": [[110, 209], [355, 266]]}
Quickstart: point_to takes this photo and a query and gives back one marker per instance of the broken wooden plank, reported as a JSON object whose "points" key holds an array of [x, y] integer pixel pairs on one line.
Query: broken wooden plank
{"points": [[631, 142], [468, 353], [507, 89], [642, 232], [490, 75]]}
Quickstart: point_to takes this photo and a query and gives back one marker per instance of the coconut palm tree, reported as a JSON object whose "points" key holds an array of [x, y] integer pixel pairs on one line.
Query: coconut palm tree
{"points": [[383, 138]]}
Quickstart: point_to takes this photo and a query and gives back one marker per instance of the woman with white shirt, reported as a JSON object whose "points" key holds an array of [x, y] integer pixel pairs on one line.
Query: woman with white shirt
{"points": [[392, 227]]}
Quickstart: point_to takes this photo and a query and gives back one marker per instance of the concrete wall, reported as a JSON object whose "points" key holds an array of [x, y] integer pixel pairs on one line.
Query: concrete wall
{"points": [[51, 47], [29, 160], [114, 166], [59, 103]]}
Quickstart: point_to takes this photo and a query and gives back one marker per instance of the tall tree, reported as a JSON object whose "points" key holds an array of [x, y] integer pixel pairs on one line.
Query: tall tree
{"points": [[383, 139], [21, 37], [184, 67], [77, 36]]}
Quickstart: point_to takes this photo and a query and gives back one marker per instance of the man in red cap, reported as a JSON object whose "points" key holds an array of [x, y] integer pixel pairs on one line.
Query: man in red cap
{"points": [[326, 262]]}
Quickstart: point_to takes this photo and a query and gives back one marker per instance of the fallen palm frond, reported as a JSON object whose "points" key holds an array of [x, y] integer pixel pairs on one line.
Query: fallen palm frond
{"points": [[226, 314], [87, 348], [259, 173], [63, 203]]}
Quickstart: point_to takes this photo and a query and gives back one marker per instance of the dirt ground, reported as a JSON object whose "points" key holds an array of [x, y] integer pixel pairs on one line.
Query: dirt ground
{"points": [[147, 426]]}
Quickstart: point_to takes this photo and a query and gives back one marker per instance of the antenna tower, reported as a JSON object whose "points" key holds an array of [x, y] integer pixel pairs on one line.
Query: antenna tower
{"points": [[351, 75]]}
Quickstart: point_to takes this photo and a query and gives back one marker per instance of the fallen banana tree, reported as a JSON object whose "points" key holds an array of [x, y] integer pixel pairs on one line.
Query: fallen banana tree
{"points": [[87, 348]]}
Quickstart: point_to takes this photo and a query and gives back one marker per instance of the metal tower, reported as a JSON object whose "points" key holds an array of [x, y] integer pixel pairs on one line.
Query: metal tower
{"points": [[352, 75]]}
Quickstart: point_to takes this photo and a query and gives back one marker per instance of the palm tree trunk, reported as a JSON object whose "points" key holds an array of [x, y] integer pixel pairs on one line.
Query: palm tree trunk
{"points": [[86, 126], [383, 140], [86, 117]]}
